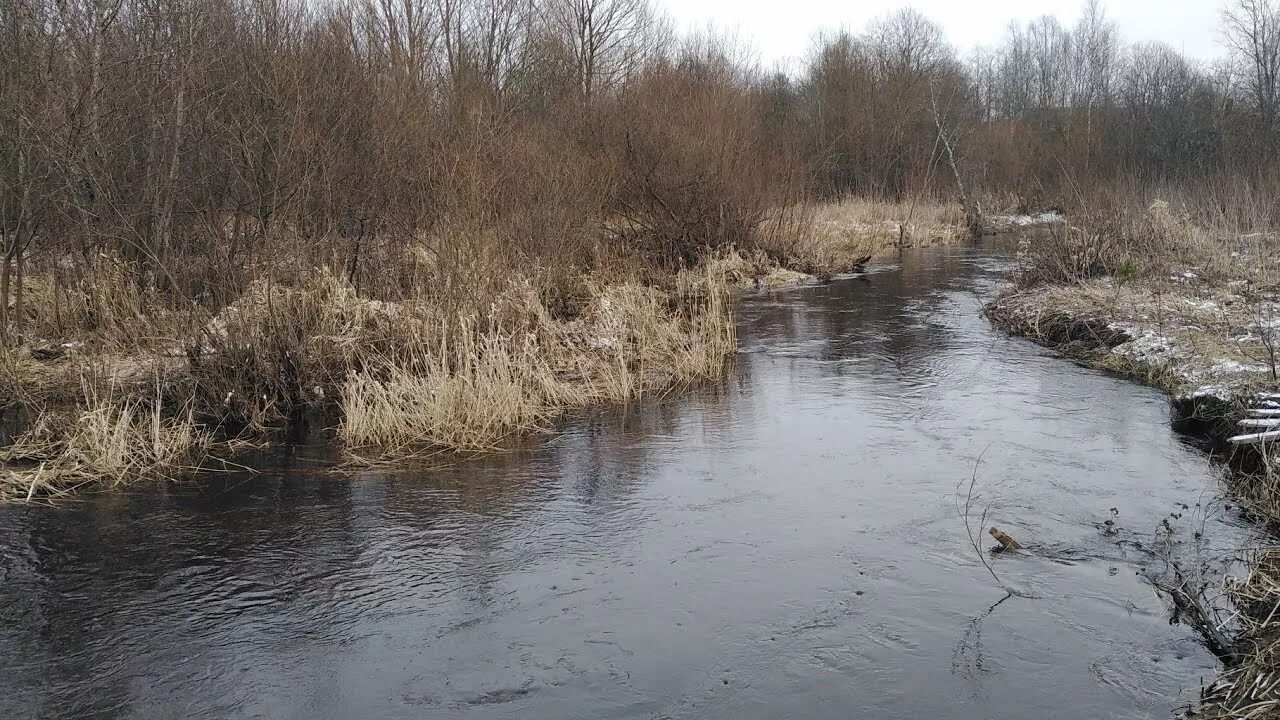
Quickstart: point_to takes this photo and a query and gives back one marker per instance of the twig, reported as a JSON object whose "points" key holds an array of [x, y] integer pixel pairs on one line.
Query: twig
{"points": [[966, 509]]}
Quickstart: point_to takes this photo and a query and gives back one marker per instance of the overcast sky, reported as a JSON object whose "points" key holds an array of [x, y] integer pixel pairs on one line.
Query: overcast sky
{"points": [[781, 29]]}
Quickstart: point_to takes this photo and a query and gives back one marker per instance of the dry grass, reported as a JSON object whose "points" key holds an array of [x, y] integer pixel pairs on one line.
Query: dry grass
{"points": [[492, 387], [1250, 687], [1179, 333], [753, 270], [434, 370], [472, 392], [280, 350], [105, 441], [842, 232], [101, 301], [1153, 241], [1196, 298]]}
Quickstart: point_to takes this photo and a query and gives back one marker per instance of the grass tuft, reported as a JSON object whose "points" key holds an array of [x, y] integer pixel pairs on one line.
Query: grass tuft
{"points": [[106, 441]]}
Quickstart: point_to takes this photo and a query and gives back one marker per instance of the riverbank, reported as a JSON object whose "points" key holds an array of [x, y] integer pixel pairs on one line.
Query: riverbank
{"points": [[112, 384], [1204, 326], [402, 378]]}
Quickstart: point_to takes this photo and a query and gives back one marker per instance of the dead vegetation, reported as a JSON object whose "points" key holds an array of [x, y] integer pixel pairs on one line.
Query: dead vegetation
{"points": [[1181, 333], [1250, 686], [470, 394], [102, 440], [404, 376], [852, 230], [1182, 292]]}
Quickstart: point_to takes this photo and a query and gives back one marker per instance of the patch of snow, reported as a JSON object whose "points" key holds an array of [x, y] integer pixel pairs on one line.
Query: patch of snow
{"points": [[1218, 392], [1045, 218], [1204, 305], [1005, 223], [1227, 366], [1147, 347]]}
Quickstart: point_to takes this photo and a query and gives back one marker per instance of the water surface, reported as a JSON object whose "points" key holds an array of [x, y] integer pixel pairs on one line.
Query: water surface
{"points": [[785, 544]]}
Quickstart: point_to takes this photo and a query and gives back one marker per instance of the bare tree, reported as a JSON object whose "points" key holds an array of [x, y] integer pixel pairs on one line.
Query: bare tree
{"points": [[1050, 48], [1094, 49], [605, 39], [1251, 31]]}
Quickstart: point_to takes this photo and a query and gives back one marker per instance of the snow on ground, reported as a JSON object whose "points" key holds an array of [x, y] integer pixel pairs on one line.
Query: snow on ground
{"points": [[1008, 223]]}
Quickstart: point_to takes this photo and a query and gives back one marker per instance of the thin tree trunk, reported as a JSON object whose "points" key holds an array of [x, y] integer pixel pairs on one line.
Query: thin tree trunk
{"points": [[972, 210], [166, 193], [4, 288], [16, 245], [17, 292]]}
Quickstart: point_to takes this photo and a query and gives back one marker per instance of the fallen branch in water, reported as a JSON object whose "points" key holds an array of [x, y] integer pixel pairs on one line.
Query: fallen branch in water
{"points": [[1194, 608], [966, 511]]}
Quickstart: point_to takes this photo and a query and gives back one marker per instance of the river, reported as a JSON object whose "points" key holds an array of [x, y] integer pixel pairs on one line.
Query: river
{"points": [[786, 543]]}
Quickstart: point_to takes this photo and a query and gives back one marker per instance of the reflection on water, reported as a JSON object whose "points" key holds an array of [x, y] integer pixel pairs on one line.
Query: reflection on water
{"points": [[784, 545]]}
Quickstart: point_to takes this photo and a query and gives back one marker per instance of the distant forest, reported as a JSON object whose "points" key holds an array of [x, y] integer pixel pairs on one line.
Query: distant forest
{"points": [[198, 138]]}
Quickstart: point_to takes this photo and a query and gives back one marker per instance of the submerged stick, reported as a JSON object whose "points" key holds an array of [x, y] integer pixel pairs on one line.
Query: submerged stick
{"points": [[1198, 615]]}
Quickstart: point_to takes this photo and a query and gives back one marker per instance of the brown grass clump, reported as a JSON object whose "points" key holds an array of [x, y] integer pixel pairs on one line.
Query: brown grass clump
{"points": [[102, 301], [106, 441], [852, 229], [480, 386], [1134, 238], [279, 350], [16, 377], [746, 270], [468, 400]]}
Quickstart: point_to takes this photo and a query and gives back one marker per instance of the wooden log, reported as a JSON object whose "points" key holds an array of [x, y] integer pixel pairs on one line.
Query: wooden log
{"points": [[1256, 438], [1260, 423], [1265, 412]]}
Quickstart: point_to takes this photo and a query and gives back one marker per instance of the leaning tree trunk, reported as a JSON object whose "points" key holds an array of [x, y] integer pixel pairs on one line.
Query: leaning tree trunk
{"points": [[972, 208]]}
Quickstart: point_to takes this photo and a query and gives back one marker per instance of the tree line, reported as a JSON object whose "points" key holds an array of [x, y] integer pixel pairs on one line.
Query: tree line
{"points": [[1046, 103], [207, 141]]}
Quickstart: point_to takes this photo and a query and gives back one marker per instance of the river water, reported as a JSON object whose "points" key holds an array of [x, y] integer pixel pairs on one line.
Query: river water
{"points": [[786, 544]]}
